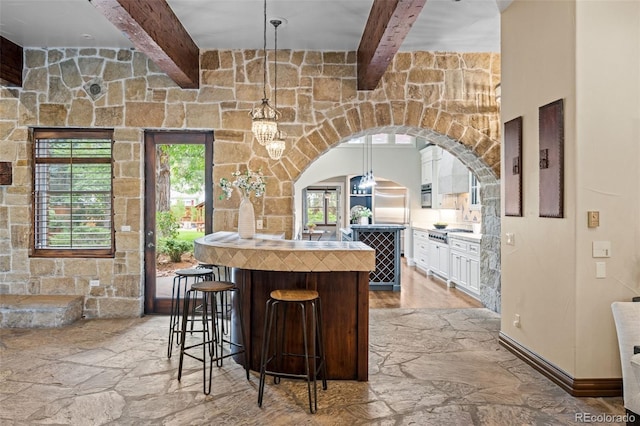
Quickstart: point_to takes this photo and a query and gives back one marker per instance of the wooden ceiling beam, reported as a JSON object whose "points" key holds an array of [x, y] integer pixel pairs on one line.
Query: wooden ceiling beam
{"points": [[155, 30], [11, 64], [388, 24]]}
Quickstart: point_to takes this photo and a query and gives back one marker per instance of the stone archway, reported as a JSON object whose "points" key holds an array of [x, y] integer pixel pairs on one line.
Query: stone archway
{"points": [[490, 199], [447, 98]]}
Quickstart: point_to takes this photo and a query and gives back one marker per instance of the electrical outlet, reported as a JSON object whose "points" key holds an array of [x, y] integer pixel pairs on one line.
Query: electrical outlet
{"points": [[94, 283], [516, 320], [125, 228], [593, 219], [259, 224]]}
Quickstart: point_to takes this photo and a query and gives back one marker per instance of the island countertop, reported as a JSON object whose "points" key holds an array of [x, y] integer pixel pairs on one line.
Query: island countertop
{"points": [[268, 253]]}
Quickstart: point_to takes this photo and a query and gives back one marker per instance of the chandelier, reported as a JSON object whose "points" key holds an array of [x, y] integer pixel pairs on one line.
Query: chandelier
{"points": [[264, 117], [276, 147]]}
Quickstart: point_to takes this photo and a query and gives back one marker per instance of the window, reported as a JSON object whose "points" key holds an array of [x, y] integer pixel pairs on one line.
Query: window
{"points": [[322, 206], [474, 192], [72, 193]]}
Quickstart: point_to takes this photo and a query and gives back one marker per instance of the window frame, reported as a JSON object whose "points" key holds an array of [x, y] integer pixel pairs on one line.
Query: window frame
{"points": [[58, 133], [325, 205], [474, 192]]}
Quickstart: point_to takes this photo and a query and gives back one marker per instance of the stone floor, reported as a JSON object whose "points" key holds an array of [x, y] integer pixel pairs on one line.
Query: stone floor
{"points": [[427, 367]]}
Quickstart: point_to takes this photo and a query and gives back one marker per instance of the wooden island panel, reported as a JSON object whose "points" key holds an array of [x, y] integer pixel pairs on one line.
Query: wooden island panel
{"points": [[345, 316]]}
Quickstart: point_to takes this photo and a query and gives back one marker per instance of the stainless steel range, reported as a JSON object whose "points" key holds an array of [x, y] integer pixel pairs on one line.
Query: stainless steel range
{"points": [[441, 235]]}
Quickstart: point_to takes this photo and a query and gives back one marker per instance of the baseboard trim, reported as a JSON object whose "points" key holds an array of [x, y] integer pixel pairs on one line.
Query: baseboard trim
{"points": [[574, 387]]}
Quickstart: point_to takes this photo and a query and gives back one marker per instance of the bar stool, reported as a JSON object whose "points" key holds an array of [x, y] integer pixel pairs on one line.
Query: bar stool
{"points": [[180, 286], [214, 310], [287, 298]]}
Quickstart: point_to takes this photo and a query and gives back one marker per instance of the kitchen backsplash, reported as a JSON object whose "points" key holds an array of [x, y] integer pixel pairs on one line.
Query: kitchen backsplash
{"points": [[455, 208], [466, 213]]}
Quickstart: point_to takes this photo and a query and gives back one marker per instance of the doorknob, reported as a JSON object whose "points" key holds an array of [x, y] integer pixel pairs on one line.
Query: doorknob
{"points": [[150, 233], [151, 245]]}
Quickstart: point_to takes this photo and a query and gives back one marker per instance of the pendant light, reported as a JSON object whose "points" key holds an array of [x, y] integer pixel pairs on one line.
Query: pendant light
{"points": [[367, 180], [363, 179], [276, 147], [264, 117], [371, 180]]}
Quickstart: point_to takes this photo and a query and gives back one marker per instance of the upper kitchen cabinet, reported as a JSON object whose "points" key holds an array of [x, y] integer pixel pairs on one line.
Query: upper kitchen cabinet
{"points": [[427, 157], [453, 176]]}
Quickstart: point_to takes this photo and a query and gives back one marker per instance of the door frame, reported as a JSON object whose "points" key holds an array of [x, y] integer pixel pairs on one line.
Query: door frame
{"points": [[153, 138]]}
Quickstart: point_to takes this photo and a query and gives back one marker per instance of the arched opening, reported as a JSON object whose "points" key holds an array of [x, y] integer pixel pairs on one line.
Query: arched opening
{"points": [[404, 168]]}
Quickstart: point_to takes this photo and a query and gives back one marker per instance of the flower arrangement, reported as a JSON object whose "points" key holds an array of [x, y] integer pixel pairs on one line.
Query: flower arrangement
{"points": [[246, 182], [360, 212]]}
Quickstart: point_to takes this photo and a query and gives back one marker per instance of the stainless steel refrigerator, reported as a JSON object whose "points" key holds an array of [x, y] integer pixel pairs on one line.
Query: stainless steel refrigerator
{"points": [[391, 205]]}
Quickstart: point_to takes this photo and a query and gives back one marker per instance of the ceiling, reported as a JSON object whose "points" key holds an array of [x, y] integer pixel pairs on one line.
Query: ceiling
{"points": [[443, 25]]}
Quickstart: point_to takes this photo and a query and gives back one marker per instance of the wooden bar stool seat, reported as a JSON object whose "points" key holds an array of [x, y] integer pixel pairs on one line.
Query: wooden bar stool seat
{"points": [[272, 359]]}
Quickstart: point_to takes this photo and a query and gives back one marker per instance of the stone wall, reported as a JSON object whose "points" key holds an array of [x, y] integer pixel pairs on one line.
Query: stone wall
{"points": [[427, 94]]}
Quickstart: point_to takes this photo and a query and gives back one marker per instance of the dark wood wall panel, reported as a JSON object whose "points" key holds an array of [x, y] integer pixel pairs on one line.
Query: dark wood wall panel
{"points": [[513, 167], [551, 160]]}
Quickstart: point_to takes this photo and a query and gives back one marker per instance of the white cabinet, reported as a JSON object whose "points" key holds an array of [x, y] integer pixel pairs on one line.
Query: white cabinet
{"points": [[465, 265], [430, 159], [421, 249], [453, 176], [439, 259], [426, 160]]}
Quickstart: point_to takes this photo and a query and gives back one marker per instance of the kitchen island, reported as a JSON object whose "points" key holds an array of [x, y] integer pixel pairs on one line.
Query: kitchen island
{"points": [[385, 240], [337, 270]]}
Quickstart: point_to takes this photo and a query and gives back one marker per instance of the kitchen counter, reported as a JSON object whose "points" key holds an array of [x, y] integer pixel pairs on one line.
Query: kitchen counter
{"points": [[466, 236], [337, 270]]}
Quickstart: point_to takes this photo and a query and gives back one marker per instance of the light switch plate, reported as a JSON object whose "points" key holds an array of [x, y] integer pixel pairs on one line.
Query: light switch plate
{"points": [[601, 270], [601, 249], [511, 238], [593, 219]]}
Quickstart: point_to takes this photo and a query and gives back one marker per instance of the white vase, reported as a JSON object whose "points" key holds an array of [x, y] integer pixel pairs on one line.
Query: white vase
{"points": [[246, 219], [364, 221]]}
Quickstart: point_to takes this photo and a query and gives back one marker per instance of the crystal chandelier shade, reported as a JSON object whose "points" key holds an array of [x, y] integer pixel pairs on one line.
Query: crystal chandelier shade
{"points": [[277, 145], [264, 117], [264, 123]]}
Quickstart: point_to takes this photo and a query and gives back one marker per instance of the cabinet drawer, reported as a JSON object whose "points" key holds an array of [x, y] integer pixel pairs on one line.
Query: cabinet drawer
{"points": [[420, 237], [459, 245], [474, 249]]}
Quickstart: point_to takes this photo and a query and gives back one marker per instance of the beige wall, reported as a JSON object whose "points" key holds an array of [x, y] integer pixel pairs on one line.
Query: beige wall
{"points": [[587, 54], [450, 95]]}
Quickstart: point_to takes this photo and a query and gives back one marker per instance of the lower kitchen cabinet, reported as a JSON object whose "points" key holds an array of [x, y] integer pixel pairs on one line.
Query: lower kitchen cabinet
{"points": [[439, 259], [465, 265], [421, 249]]}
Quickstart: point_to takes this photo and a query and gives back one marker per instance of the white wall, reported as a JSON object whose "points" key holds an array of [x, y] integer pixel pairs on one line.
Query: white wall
{"points": [[587, 54], [608, 163], [399, 164]]}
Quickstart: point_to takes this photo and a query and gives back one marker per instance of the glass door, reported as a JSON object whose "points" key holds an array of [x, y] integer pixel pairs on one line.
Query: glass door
{"points": [[178, 207]]}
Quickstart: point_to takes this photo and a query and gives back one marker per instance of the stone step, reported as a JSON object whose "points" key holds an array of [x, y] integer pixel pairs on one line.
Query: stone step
{"points": [[39, 311]]}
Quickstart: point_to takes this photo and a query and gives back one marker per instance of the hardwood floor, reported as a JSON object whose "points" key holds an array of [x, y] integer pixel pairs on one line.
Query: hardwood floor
{"points": [[420, 291]]}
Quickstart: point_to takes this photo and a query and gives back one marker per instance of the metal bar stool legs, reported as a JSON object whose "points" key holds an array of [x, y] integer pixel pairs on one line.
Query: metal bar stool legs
{"points": [[178, 291], [214, 314], [314, 360]]}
